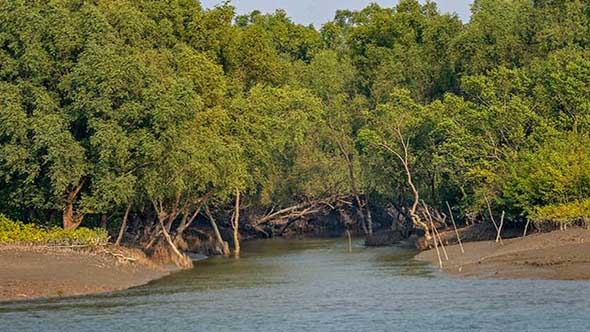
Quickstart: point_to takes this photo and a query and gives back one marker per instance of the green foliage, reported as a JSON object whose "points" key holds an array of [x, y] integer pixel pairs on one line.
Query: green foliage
{"points": [[401, 47], [497, 35], [564, 87], [556, 173], [566, 213], [157, 104], [18, 233]]}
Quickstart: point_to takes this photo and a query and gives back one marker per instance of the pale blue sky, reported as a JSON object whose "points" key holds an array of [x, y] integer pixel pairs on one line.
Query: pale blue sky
{"points": [[321, 11]]}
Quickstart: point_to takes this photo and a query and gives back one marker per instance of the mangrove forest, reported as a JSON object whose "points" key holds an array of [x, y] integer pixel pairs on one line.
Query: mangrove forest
{"points": [[173, 127]]}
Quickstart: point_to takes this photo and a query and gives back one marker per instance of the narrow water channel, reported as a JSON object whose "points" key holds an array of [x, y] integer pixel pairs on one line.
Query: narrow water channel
{"points": [[314, 285]]}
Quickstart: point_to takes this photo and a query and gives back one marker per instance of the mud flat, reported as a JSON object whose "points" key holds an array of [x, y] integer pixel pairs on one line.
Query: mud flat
{"points": [[560, 255], [35, 272]]}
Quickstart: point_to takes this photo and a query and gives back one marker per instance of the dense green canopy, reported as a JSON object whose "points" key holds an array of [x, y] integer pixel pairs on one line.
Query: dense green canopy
{"points": [[156, 104]]}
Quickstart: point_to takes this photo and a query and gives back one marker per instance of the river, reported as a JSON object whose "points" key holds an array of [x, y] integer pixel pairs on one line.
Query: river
{"points": [[314, 285]]}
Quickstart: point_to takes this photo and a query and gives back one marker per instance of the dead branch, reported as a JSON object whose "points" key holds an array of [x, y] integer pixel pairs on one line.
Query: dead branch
{"points": [[437, 252], [455, 227], [295, 211], [526, 227], [499, 236], [435, 232], [272, 216], [493, 220]]}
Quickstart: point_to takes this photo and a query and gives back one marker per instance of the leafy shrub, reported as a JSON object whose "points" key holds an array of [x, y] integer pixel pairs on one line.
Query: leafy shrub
{"points": [[551, 182], [567, 213], [16, 232]]}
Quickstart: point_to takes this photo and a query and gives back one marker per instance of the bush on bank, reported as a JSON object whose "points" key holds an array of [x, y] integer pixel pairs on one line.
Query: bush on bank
{"points": [[19, 233], [566, 213]]}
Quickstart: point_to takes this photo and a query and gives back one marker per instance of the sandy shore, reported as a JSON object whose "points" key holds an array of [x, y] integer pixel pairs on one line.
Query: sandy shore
{"points": [[29, 273], [550, 256]]}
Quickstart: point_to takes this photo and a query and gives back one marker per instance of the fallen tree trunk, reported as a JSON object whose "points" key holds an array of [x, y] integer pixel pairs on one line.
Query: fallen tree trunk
{"points": [[295, 211], [280, 213]]}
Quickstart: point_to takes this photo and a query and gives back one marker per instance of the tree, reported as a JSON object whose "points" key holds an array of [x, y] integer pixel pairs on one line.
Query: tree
{"points": [[387, 141], [331, 78], [164, 111], [496, 35], [564, 85]]}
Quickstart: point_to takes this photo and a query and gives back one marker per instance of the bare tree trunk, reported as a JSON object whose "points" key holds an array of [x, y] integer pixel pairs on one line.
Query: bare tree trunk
{"points": [[154, 237], [103, 221], [187, 222], [369, 216], [349, 240], [526, 227], [72, 220], [406, 163], [168, 238], [354, 188], [236, 224], [394, 221], [183, 261], [499, 236], [224, 246], [183, 225], [401, 213], [493, 220], [174, 213], [52, 216], [123, 228]]}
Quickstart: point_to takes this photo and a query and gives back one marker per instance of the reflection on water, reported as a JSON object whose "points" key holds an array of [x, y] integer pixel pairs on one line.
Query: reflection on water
{"points": [[314, 285]]}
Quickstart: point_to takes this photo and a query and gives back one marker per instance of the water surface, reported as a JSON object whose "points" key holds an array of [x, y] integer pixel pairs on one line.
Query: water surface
{"points": [[314, 285]]}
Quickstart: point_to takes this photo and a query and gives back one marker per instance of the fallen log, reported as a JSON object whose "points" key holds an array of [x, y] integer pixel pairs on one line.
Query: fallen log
{"points": [[299, 210], [274, 215]]}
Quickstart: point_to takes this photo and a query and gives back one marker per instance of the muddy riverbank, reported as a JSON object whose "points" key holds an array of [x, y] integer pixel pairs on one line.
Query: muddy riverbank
{"points": [[30, 272], [560, 255], [40, 272]]}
